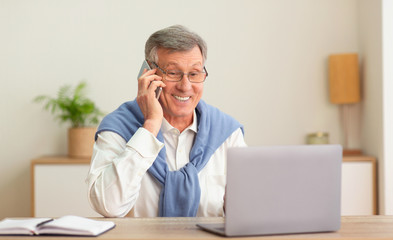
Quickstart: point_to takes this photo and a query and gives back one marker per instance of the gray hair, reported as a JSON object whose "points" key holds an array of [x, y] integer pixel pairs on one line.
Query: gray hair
{"points": [[177, 38]]}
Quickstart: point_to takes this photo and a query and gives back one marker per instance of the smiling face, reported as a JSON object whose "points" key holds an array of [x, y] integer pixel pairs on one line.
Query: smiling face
{"points": [[179, 99]]}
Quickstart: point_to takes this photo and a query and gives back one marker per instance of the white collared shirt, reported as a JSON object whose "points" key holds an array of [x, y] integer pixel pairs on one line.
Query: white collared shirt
{"points": [[119, 184]]}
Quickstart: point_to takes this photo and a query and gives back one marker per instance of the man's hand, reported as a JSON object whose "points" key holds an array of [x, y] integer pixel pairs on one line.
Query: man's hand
{"points": [[147, 101]]}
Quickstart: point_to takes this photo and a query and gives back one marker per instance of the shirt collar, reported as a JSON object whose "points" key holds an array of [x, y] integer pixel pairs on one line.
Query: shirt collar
{"points": [[166, 126]]}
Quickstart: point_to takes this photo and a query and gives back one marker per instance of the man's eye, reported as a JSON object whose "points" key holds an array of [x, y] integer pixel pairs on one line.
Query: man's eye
{"points": [[173, 73], [193, 74]]}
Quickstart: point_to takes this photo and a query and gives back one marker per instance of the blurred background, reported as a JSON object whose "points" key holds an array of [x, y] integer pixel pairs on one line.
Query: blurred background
{"points": [[267, 64]]}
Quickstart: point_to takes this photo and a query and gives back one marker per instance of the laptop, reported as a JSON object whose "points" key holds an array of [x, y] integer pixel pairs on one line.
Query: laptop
{"points": [[281, 190]]}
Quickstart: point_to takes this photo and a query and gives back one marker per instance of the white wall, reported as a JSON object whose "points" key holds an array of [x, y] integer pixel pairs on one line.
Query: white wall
{"points": [[387, 170], [267, 66], [370, 35], [375, 44]]}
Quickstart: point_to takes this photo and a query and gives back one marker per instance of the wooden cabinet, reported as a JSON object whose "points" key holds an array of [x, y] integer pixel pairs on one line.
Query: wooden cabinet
{"points": [[59, 188], [359, 186]]}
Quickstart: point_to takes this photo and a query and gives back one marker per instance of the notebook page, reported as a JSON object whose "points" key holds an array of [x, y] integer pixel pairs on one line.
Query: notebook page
{"points": [[74, 225], [26, 226]]}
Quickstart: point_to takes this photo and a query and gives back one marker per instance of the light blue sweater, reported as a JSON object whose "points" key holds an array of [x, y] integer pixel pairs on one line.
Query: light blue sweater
{"points": [[180, 194]]}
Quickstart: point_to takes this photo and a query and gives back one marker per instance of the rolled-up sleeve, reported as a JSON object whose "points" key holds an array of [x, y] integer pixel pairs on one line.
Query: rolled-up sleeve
{"points": [[117, 168]]}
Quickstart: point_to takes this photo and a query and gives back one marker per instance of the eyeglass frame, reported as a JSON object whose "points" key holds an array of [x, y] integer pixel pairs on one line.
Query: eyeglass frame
{"points": [[183, 73]]}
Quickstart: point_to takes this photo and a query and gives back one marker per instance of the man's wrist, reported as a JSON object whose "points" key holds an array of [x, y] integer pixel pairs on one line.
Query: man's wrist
{"points": [[152, 126], [145, 143]]}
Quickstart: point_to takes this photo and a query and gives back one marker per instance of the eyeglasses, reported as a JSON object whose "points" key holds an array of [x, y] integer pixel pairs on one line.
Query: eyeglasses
{"points": [[177, 76]]}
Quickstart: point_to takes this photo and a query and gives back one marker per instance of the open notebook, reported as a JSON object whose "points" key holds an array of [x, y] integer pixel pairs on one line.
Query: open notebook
{"points": [[67, 225]]}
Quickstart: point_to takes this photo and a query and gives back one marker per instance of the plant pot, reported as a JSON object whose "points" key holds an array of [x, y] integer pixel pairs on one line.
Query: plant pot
{"points": [[80, 142]]}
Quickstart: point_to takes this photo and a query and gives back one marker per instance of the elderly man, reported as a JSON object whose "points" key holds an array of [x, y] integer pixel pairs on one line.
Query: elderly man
{"points": [[164, 156]]}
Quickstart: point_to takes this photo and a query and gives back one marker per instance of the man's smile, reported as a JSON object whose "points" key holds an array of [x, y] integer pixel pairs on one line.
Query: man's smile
{"points": [[182, 99]]}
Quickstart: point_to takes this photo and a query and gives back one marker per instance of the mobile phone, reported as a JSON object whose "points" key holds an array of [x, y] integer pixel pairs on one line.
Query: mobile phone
{"points": [[145, 65]]}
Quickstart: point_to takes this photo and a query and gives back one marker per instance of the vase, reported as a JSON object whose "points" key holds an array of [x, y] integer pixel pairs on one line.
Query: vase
{"points": [[81, 142]]}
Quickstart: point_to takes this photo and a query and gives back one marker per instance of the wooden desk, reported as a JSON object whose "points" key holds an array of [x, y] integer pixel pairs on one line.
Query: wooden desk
{"points": [[359, 227]]}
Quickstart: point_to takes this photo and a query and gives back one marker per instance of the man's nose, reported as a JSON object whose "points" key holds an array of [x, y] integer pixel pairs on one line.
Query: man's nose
{"points": [[184, 82]]}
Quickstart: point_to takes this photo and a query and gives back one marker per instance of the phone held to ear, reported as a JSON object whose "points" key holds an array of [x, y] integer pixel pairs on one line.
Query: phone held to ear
{"points": [[144, 66]]}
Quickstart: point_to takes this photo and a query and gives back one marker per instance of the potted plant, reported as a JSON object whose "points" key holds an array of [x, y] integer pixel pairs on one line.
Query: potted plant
{"points": [[71, 105]]}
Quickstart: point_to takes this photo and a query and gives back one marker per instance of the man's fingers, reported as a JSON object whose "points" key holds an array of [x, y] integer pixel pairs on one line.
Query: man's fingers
{"points": [[146, 78], [155, 84]]}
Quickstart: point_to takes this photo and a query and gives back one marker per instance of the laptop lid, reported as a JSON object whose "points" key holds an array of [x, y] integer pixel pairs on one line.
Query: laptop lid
{"points": [[283, 189]]}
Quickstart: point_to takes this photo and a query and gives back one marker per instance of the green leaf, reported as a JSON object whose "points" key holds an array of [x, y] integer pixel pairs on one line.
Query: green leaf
{"points": [[72, 105]]}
